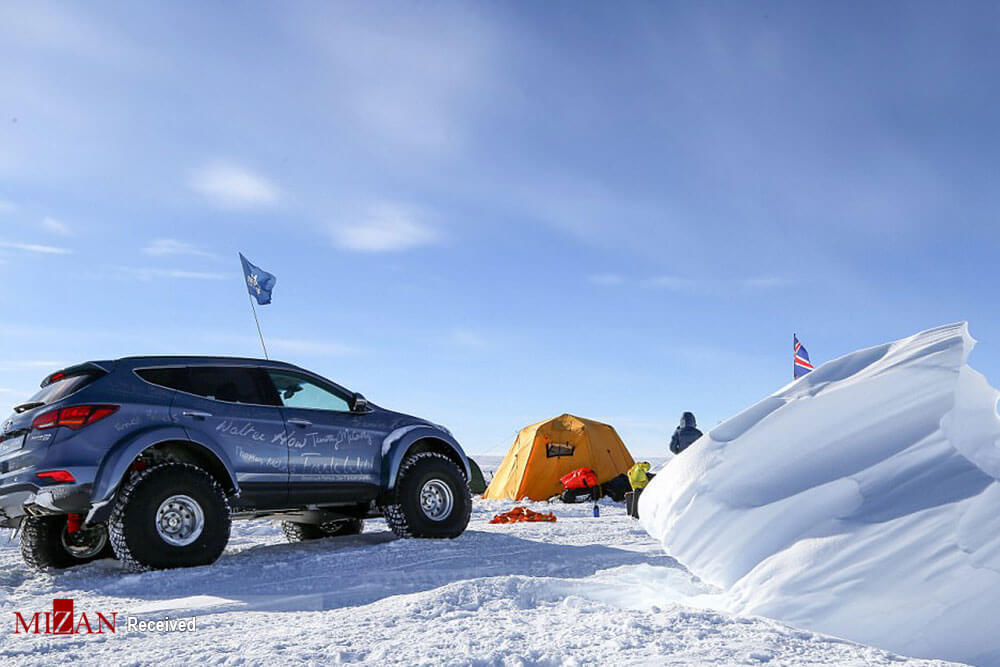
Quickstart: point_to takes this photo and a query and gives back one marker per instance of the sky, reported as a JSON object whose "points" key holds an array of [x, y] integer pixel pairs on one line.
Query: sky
{"points": [[488, 214]]}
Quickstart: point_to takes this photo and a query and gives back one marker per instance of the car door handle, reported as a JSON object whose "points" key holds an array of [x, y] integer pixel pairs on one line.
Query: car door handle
{"points": [[196, 414], [300, 422]]}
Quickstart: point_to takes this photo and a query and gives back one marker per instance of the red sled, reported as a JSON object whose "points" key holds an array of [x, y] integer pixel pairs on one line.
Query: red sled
{"points": [[581, 478]]}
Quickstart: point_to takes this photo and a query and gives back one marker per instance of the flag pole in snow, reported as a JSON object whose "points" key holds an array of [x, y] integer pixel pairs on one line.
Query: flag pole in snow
{"points": [[259, 285]]}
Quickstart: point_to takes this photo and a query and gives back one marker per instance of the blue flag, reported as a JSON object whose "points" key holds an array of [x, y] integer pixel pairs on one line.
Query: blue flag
{"points": [[259, 282], [802, 364]]}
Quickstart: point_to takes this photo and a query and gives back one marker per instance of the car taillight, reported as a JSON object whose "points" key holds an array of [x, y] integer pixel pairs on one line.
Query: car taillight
{"points": [[73, 418], [60, 476]]}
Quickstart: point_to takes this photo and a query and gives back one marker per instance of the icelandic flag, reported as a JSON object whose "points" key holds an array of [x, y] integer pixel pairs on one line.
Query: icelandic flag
{"points": [[802, 363], [259, 282]]}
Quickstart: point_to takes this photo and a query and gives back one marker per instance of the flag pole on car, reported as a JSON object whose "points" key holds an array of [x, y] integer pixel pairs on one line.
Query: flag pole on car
{"points": [[259, 285]]}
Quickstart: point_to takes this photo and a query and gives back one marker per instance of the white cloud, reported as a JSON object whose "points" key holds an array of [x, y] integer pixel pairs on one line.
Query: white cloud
{"points": [[714, 286], [765, 282], [607, 279], [233, 187], [145, 274], [56, 226], [58, 30], [9, 366], [398, 84], [671, 283], [385, 229], [160, 247], [467, 338], [34, 247]]}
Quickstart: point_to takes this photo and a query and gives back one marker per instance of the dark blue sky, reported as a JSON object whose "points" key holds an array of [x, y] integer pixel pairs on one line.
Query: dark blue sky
{"points": [[490, 213]]}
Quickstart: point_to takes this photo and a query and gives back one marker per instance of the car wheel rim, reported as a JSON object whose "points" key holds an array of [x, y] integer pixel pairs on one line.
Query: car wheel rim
{"points": [[180, 520], [85, 542], [436, 500]]}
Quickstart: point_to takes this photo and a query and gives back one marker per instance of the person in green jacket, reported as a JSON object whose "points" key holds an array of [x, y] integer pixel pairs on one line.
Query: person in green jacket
{"points": [[638, 476]]}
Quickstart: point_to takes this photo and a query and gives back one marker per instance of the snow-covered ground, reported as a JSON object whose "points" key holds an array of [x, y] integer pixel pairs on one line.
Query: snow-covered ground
{"points": [[583, 590]]}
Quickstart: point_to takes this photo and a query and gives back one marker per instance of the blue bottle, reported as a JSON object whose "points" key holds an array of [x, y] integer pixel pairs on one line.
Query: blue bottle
{"points": [[597, 510]]}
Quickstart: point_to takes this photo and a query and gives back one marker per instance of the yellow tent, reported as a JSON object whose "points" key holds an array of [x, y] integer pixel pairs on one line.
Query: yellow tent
{"points": [[544, 452]]}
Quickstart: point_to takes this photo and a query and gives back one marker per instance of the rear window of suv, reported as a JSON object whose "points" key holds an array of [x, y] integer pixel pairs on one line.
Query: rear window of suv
{"points": [[60, 389], [232, 384]]}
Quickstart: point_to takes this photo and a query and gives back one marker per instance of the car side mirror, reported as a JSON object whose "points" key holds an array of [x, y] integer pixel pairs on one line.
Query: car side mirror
{"points": [[359, 403]]}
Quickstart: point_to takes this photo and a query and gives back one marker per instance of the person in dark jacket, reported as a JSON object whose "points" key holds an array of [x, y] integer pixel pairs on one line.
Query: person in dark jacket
{"points": [[684, 434]]}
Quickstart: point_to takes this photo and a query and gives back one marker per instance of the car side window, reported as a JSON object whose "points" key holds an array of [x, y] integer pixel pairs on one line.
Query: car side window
{"points": [[232, 384], [297, 391], [174, 377]]}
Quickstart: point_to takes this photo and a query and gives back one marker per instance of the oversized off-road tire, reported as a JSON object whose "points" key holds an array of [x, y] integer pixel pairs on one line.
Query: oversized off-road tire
{"points": [[301, 532], [45, 543], [431, 498], [170, 515]]}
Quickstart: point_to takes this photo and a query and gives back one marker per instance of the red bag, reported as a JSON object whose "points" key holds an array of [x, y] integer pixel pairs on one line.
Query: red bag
{"points": [[519, 514], [581, 478]]}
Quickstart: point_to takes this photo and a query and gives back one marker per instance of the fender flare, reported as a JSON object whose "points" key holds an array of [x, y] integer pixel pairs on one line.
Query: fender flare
{"points": [[116, 462], [397, 445]]}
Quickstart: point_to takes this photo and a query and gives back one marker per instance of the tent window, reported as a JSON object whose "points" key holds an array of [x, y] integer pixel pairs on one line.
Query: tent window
{"points": [[557, 449]]}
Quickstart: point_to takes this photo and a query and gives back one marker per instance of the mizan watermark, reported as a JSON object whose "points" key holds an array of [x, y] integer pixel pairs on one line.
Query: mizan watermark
{"points": [[133, 624], [63, 621]]}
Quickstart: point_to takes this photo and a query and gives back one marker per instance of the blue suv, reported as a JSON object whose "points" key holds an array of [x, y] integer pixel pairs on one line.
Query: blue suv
{"points": [[148, 459]]}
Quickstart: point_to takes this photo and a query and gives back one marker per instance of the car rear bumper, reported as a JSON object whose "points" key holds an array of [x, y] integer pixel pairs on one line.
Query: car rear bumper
{"points": [[22, 493]]}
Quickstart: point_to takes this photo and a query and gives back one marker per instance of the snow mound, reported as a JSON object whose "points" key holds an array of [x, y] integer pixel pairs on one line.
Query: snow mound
{"points": [[859, 501]]}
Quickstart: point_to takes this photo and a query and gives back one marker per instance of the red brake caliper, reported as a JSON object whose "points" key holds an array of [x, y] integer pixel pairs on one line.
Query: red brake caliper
{"points": [[73, 522]]}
